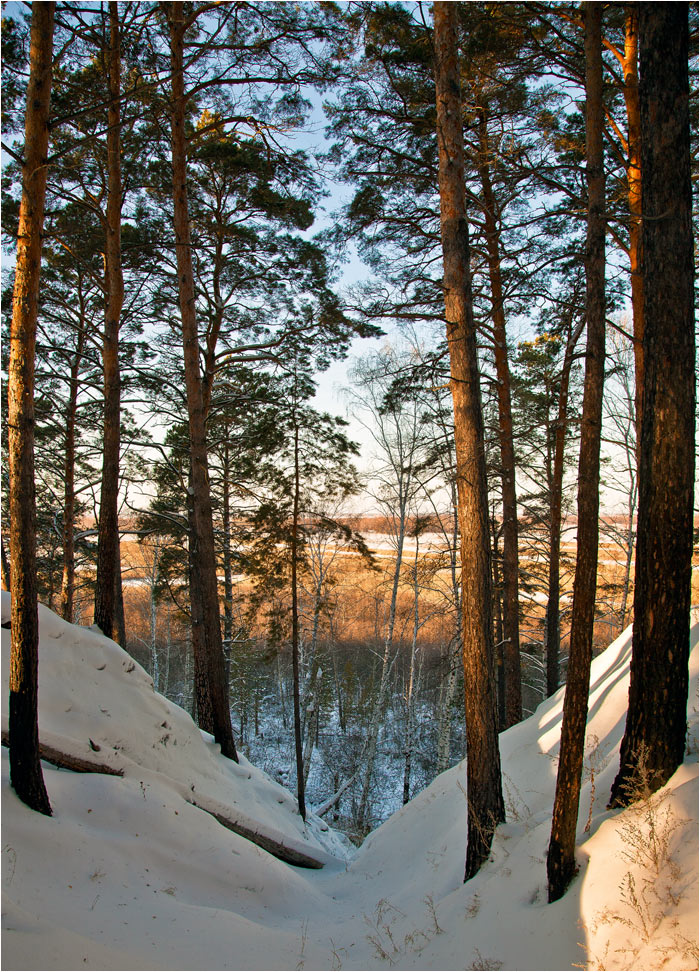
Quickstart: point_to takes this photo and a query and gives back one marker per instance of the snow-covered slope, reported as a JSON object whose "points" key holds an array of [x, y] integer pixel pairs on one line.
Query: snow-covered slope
{"points": [[127, 874], [94, 698]]}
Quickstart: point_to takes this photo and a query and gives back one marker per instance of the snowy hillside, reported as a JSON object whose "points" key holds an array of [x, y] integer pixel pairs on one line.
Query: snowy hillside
{"points": [[135, 871]]}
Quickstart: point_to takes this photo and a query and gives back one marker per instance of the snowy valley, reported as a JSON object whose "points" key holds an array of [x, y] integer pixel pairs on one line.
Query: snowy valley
{"points": [[131, 873]]}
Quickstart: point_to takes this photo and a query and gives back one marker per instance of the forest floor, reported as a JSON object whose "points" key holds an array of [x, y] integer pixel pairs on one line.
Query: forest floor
{"points": [[130, 874]]}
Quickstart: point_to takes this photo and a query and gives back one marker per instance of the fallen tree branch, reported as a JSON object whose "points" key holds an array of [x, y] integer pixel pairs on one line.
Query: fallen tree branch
{"points": [[80, 764], [331, 801], [77, 764], [283, 852]]}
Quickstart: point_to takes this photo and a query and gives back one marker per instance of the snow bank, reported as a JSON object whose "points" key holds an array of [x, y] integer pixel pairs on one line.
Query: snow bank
{"points": [[128, 875], [93, 697]]}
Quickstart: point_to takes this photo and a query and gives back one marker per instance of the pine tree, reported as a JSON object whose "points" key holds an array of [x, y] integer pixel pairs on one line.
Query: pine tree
{"points": [[108, 582], [314, 463], [560, 858], [547, 391], [654, 739], [484, 796], [212, 696], [25, 768]]}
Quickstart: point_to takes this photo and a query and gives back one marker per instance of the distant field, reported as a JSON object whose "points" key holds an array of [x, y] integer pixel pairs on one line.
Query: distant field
{"points": [[359, 596]]}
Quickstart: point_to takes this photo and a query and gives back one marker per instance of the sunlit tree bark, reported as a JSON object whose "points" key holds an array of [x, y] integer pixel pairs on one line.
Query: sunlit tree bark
{"points": [[484, 794], [25, 766], [561, 865], [211, 685], [654, 740]]}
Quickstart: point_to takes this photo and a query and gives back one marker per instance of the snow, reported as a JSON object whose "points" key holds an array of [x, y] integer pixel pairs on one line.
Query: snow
{"points": [[127, 874]]}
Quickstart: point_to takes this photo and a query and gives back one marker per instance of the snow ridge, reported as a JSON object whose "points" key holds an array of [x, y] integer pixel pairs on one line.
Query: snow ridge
{"points": [[129, 874]]}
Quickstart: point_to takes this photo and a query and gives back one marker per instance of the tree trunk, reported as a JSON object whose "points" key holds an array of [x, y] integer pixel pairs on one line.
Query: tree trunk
{"points": [[228, 569], [634, 196], [497, 608], [511, 605], [311, 716], [484, 794], [629, 547], [654, 740], [168, 645], [298, 745], [108, 530], [311, 700], [153, 616], [561, 865], [201, 702], [119, 631], [387, 664], [552, 620], [25, 766], [412, 688], [68, 580], [448, 687], [212, 687]]}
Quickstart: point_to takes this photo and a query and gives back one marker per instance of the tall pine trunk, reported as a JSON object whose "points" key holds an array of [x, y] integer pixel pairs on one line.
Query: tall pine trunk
{"points": [[561, 865], [25, 766], [211, 684], [654, 740], [108, 560], [511, 606], [484, 794], [552, 618], [634, 196]]}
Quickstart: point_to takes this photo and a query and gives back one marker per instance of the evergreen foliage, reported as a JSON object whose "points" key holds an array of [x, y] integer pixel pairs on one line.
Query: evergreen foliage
{"points": [[265, 149]]}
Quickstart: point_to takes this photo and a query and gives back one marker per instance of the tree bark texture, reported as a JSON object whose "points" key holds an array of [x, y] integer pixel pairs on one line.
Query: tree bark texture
{"points": [[25, 766], [511, 624], [484, 794], [561, 865], [212, 687], [108, 561], [654, 740]]}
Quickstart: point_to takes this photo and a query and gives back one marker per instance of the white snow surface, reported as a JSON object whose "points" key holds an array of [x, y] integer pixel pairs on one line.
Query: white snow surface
{"points": [[127, 874]]}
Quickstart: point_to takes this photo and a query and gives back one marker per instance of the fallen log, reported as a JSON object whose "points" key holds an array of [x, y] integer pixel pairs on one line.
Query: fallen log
{"points": [[77, 764], [290, 855]]}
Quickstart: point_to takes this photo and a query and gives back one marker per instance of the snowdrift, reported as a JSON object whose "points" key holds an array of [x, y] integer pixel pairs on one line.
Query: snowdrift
{"points": [[129, 874]]}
